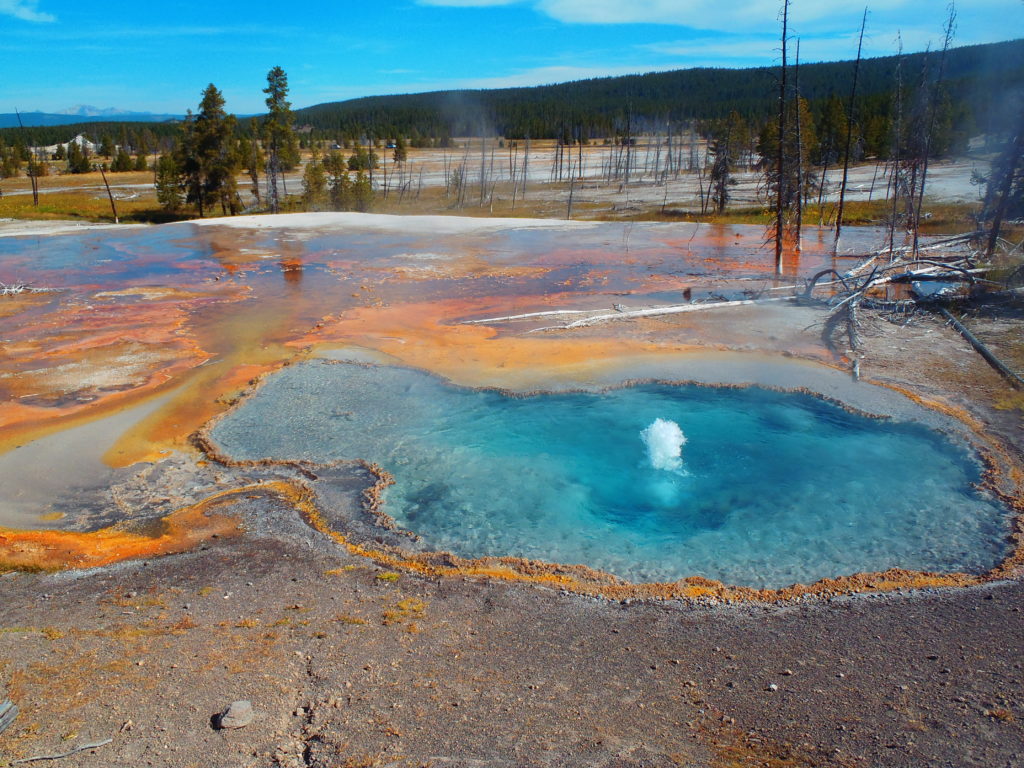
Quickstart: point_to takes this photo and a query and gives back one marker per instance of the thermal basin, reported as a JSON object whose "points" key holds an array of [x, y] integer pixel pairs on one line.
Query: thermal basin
{"points": [[650, 482]]}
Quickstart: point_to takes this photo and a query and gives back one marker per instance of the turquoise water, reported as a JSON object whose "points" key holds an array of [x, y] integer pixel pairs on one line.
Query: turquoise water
{"points": [[768, 489]]}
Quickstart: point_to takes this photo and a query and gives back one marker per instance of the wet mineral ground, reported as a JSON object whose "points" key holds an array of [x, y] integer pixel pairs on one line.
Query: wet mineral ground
{"points": [[150, 583]]}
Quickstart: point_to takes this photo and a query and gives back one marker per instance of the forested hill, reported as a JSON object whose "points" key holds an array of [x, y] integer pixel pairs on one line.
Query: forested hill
{"points": [[977, 79]]}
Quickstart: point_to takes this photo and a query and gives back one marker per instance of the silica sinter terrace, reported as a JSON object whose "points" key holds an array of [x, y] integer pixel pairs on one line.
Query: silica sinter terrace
{"points": [[652, 482]]}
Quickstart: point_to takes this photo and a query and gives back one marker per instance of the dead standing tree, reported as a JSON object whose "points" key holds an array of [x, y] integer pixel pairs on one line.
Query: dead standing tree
{"points": [[1004, 193], [849, 137], [786, 177], [781, 193], [932, 96]]}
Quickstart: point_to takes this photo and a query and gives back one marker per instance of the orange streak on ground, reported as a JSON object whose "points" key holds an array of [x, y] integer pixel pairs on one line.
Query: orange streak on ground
{"points": [[206, 395], [419, 334], [248, 342], [79, 362], [177, 532]]}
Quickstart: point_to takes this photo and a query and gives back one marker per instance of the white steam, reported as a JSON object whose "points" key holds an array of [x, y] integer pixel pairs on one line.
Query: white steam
{"points": [[664, 440]]}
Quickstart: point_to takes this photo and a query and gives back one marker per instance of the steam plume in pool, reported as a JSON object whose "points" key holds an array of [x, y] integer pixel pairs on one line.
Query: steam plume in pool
{"points": [[664, 440]]}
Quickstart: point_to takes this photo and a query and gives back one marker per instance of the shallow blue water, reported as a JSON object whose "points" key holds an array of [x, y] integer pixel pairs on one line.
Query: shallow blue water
{"points": [[773, 488]]}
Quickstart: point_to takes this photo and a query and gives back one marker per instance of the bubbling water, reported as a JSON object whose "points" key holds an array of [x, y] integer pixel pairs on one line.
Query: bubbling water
{"points": [[766, 496], [664, 440]]}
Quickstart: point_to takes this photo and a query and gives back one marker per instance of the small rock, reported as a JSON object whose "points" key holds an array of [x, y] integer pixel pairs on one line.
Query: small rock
{"points": [[238, 715], [771, 687], [786, 672]]}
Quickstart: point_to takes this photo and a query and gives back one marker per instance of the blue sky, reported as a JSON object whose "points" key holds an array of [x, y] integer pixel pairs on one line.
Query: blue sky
{"points": [[158, 57]]}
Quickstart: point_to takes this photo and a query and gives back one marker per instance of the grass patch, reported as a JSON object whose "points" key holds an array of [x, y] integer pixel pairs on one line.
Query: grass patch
{"points": [[50, 633], [404, 610], [9, 567]]}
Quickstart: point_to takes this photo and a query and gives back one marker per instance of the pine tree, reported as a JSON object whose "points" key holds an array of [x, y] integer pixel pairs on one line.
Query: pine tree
{"points": [[78, 158], [122, 162], [338, 182], [207, 156], [278, 134], [314, 185], [166, 179], [401, 151], [362, 192]]}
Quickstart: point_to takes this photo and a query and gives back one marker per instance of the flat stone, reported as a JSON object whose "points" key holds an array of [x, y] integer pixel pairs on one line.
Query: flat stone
{"points": [[238, 715]]}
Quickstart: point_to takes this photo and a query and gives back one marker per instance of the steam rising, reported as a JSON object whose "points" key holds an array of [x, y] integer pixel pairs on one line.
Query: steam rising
{"points": [[664, 440]]}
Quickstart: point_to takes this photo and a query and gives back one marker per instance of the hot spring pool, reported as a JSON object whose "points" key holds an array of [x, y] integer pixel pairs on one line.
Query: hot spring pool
{"points": [[652, 482]]}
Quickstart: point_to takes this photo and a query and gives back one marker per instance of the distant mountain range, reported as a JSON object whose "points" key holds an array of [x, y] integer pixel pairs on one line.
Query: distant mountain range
{"points": [[82, 113]]}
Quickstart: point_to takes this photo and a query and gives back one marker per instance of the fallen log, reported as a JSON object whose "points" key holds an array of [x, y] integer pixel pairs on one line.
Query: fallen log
{"points": [[528, 315], [981, 349], [673, 309]]}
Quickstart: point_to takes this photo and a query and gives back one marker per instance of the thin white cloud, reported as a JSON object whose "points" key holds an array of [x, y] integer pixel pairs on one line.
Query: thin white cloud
{"points": [[25, 10], [981, 19], [722, 15], [467, 3], [744, 50], [719, 15]]}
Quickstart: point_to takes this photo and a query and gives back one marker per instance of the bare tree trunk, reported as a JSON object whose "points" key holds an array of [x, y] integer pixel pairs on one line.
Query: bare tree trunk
{"points": [[898, 139], [629, 141], [483, 168], [1010, 169], [871, 189], [781, 164], [821, 192], [799, 151], [447, 174], [114, 207], [849, 136], [950, 23], [526, 164], [33, 176]]}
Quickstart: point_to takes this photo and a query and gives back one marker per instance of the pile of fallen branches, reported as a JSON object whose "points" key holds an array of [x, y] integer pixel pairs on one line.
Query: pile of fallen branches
{"points": [[13, 289], [952, 259], [957, 262]]}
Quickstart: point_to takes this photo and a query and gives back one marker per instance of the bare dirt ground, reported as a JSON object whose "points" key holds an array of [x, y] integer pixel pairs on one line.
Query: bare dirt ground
{"points": [[349, 664]]}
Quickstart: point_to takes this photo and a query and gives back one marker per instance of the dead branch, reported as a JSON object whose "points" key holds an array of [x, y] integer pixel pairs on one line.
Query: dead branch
{"points": [[527, 316], [14, 289], [673, 309], [62, 755], [894, 253]]}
